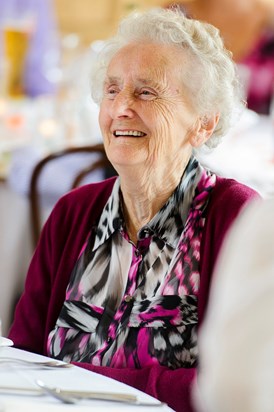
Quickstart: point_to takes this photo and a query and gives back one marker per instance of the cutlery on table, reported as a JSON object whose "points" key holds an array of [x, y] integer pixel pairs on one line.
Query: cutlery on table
{"points": [[37, 364], [71, 396]]}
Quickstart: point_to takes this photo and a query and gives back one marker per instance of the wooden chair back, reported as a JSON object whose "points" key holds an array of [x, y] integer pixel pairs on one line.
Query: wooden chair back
{"points": [[101, 162]]}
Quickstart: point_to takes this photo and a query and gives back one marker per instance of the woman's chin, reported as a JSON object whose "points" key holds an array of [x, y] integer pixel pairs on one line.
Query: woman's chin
{"points": [[125, 155]]}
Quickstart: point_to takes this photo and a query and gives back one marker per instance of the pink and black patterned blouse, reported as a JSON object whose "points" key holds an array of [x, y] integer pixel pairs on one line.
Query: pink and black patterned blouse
{"points": [[136, 305]]}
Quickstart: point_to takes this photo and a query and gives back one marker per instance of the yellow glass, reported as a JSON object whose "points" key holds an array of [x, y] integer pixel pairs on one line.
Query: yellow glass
{"points": [[16, 44]]}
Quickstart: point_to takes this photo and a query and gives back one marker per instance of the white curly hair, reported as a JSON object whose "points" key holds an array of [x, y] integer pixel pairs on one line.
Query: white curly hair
{"points": [[211, 76]]}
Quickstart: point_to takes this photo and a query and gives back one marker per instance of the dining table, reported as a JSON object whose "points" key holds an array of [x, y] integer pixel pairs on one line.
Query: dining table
{"points": [[22, 373]]}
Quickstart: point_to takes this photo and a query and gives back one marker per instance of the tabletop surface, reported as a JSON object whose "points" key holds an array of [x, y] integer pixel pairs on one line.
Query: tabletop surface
{"points": [[18, 376]]}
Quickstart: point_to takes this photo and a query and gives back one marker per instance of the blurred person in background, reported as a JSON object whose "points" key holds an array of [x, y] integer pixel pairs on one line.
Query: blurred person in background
{"points": [[119, 280], [247, 27], [236, 370], [37, 19]]}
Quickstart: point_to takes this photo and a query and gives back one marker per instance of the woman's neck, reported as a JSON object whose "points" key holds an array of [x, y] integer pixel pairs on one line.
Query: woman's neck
{"points": [[144, 195], [141, 204]]}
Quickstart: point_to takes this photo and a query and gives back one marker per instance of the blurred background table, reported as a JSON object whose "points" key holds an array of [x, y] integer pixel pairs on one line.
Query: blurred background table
{"points": [[246, 153], [29, 130]]}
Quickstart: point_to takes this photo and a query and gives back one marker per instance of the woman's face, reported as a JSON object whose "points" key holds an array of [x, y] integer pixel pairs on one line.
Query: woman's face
{"points": [[145, 116]]}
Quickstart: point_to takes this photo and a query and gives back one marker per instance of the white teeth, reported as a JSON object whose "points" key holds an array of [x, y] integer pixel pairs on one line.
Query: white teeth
{"points": [[129, 133]]}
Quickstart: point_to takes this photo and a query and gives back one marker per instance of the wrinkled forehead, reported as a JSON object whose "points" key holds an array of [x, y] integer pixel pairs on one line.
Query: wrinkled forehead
{"points": [[149, 60], [158, 52]]}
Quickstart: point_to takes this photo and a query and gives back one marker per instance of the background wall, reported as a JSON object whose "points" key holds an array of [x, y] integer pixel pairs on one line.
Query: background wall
{"points": [[96, 19]]}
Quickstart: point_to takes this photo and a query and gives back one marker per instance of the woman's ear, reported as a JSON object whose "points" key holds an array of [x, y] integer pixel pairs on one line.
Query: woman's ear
{"points": [[205, 129]]}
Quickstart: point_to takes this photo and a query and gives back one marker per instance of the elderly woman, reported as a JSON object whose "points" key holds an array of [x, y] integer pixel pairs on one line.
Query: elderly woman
{"points": [[120, 278]]}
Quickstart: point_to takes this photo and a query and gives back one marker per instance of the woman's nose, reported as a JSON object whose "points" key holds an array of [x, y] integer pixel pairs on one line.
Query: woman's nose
{"points": [[122, 105]]}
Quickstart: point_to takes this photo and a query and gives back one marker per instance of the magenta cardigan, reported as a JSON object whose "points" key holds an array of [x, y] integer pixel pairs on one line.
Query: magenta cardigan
{"points": [[60, 244]]}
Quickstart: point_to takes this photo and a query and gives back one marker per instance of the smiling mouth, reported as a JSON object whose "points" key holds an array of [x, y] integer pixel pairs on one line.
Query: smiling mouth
{"points": [[130, 133]]}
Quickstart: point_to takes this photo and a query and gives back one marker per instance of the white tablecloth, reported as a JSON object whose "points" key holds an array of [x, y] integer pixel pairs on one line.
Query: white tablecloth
{"points": [[75, 378]]}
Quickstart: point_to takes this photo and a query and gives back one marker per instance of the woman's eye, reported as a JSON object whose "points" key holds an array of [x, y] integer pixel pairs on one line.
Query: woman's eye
{"points": [[111, 92], [147, 94]]}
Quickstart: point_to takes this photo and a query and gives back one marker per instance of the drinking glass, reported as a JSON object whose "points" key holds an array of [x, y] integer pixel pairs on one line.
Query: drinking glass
{"points": [[16, 39], [18, 21]]}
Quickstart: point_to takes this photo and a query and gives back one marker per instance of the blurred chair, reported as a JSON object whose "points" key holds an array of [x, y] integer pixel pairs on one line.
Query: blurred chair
{"points": [[94, 161]]}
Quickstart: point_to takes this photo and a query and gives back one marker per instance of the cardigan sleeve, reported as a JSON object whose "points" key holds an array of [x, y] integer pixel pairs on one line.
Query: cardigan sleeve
{"points": [[32, 311], [49, 272], [57, 251], [172, 387], [228, 199]]}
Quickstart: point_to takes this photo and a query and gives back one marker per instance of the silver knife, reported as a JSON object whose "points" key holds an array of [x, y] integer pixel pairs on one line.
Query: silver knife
{"points": [[79, 394]]}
